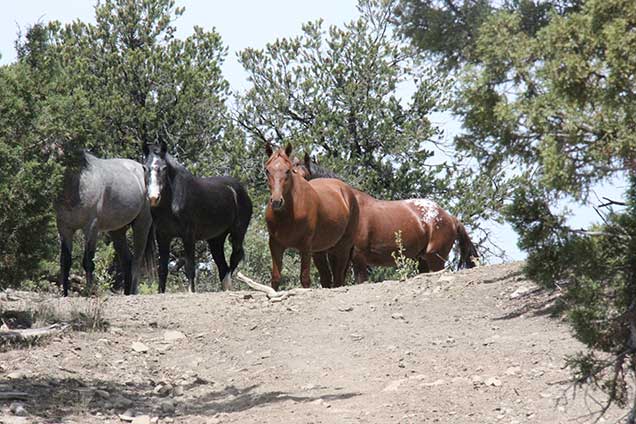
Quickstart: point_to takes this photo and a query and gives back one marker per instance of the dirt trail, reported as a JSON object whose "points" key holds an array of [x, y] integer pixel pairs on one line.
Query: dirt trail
{"points": [[477, 346]]}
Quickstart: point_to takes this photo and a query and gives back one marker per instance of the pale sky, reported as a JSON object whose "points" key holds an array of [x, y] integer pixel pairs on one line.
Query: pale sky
{"points": [[241, 24]]}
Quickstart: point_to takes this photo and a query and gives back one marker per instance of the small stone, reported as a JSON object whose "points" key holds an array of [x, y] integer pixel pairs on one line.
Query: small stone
{"points": [[167, 406], [346, 309], [139, 347], [127, 415], [513, 371], [141, 419], [102, 394], [492, 381], [16, 375], [398, 316], [17, 409], [178, 391], [393, 386], [163, 389], [173, 335], [122, 402], [356, 337]]}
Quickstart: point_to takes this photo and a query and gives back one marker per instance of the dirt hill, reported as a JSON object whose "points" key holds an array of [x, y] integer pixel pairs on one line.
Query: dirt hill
{"points": [[477, 346]]}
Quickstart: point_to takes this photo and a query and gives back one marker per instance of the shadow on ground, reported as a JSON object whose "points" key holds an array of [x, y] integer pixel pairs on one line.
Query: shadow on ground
{"points": [[54, 399]]}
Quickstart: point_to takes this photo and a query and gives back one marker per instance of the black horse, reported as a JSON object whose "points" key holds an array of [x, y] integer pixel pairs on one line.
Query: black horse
{"points": [[195, 208]]}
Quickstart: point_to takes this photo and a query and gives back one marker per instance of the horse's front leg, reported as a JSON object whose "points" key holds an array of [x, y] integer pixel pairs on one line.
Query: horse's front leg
{"points": [[305, 268], [141, 229], [277, 251], [188, 247]]}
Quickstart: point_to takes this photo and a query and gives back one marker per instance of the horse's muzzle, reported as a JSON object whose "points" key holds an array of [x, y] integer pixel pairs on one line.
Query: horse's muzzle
{"points": [[154, 201], [278, 204]]}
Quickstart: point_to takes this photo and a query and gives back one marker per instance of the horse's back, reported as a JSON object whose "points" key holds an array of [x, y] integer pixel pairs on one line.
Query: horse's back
{"points": [[214, 204], [110, 191], [334, 195], [380, 222]]}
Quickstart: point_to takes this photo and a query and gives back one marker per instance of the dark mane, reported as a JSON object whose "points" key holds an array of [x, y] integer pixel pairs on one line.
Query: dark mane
{"points": [[176, 165], [317, 171]]}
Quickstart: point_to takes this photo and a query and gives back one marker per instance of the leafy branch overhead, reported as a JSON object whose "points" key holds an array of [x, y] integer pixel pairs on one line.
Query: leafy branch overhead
{"points": [[336, 91]]}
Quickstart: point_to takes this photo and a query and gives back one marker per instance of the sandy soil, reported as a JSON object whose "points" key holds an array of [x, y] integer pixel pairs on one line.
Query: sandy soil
{"points": [[477, 346]]}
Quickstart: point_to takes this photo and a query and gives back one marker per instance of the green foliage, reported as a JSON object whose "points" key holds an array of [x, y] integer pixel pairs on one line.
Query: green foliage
{"points": [[335, 93], [405, 267], [106, 87]]}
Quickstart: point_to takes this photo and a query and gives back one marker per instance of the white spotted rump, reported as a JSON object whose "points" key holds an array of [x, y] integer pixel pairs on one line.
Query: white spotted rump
{"points": [[429, 211]]}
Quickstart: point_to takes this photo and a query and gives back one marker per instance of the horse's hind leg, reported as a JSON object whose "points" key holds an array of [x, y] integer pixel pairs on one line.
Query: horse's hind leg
{"points": [[66, 257], [237, 237], [435, 261], [422, 266], [322, 263], [90, 244], [216, 246], [123, 253], [339, 259], [360, 270]]}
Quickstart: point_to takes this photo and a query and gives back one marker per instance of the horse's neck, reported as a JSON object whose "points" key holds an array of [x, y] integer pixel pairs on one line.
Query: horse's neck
{"points": [[295, 200]]}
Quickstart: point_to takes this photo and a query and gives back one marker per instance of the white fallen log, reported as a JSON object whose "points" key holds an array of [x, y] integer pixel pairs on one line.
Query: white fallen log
{"points": [[271, 294], [31, 334]]}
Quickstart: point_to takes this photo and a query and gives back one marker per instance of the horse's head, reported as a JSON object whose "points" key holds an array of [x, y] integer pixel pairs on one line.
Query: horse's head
{"points": [[302, 167], [278, 169], [156, 171]]}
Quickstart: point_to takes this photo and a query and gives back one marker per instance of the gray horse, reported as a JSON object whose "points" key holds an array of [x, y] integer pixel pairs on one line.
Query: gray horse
{"points": [[104, 195]]}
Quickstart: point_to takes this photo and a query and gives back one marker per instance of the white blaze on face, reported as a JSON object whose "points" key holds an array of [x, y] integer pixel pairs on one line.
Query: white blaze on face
{"points": [[429, 210], [154, 189]]}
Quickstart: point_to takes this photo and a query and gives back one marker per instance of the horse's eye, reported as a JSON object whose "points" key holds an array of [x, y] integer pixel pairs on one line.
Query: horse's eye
{"points": [[266, 171]]}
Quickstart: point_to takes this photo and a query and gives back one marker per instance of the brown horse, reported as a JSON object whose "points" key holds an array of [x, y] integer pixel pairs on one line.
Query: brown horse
{"points": [[309, 216], [427, 231]]}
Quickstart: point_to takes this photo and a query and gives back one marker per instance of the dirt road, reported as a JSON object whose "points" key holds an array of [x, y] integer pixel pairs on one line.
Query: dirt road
{"points": [[478, 346]]}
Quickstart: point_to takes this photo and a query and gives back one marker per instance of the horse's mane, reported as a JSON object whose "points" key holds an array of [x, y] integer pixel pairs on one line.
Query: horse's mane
{"points": [[317, 171], [170, 160]]}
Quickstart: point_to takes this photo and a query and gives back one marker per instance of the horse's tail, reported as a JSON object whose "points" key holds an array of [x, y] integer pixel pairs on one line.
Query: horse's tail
{"points": [[149, 258], [243, 205], [468, 256]]}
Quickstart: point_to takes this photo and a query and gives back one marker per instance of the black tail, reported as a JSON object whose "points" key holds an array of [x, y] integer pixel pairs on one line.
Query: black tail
{"points": [[468, 256], [149, 259], [239, 228]]}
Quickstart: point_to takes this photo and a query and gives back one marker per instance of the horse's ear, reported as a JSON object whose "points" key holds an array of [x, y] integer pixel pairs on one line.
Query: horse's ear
{"points": [[163, 147], [307, 160], [145, 149], [288, 150], [268, 149]]}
